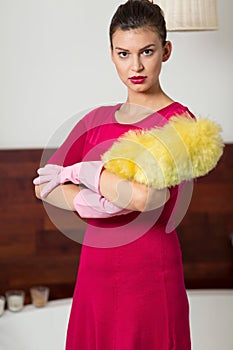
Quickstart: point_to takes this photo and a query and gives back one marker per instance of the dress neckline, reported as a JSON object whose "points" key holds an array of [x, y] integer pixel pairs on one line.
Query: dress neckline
{"points": [[166, 108]]}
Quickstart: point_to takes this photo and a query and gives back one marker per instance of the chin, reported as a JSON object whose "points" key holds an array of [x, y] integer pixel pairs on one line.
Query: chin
{"points": [[138, 88]]}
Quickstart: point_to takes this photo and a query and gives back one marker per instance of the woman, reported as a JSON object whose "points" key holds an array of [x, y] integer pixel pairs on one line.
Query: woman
{"points": [[130, 292]]}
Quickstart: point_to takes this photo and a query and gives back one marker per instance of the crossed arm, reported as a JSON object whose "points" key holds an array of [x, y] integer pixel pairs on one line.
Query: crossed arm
{"points": [[122, 193]]}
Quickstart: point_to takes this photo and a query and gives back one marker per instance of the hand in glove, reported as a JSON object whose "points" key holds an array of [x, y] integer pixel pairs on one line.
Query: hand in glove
{"points": [[86, 173], [90, 204]]}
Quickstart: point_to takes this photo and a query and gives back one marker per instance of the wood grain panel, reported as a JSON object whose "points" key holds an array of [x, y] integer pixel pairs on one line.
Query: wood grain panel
{"points": [[33, 249], [205, 230]]}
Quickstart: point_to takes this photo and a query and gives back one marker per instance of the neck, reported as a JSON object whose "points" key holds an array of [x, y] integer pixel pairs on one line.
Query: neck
{"points": [[150, 99]]}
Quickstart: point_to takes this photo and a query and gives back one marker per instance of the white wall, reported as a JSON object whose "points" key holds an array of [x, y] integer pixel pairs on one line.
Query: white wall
{"points": [[55, 63]]}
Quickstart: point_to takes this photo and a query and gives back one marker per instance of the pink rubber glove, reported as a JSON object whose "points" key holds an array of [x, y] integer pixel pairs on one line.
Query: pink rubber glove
{"points": [[90, 204], [86, 173]]}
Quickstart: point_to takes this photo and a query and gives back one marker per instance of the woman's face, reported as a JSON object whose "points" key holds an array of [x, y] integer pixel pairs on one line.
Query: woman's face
{"points": [[138, 55]]}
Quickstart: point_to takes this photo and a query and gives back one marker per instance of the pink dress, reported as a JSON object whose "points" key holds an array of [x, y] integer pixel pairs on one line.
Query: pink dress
{"points": [[130, 292]]}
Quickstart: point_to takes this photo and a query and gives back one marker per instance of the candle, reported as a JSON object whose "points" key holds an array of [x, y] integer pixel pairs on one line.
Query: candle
{"points": [[39, 295], [15, 300], [2, 304]]}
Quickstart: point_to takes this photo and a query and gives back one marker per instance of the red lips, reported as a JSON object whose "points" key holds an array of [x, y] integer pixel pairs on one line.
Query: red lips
{"points": [[137, 79]]}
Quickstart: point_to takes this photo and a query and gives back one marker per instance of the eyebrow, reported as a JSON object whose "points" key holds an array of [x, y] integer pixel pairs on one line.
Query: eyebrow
{"points": [[142, 49]]}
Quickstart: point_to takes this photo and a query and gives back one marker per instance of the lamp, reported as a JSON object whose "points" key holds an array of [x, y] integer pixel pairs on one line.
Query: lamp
{"points": [[189, 15]]}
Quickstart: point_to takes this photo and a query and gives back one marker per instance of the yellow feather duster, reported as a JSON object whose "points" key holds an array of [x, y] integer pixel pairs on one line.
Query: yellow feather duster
{"points": [[182, 149]]}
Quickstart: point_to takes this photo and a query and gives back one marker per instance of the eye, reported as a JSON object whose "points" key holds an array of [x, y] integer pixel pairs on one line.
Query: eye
{"points": [[123, 54], [148, 52]]}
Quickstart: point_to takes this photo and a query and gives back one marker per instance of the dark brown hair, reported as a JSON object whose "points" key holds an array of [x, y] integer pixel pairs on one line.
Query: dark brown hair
{"points": [[137, 14]]}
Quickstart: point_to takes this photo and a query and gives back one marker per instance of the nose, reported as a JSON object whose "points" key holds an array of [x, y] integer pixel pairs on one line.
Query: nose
{"points": [[137, 65]]}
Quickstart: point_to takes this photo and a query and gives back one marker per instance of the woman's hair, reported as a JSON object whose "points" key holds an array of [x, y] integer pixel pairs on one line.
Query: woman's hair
{"points": [[137, 14]]}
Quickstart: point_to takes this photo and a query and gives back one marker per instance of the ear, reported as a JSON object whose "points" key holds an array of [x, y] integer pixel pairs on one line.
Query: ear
{"points": [[167, 49], [111, 53]]}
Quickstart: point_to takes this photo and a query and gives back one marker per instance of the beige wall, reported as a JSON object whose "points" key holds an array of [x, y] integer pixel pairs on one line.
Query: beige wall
{"points": [[55, 63]]}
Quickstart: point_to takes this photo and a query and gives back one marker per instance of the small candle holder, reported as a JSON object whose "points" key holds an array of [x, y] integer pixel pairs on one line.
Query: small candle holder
{"points": [[39, 295], [2, 304], [15, 300]]}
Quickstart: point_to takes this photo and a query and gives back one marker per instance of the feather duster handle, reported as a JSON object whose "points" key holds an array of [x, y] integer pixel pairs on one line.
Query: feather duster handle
{"points": [[182, 149]]}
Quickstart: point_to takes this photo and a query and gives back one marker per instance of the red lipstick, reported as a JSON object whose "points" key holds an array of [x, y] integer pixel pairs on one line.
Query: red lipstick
{"points": [[137, 79]]}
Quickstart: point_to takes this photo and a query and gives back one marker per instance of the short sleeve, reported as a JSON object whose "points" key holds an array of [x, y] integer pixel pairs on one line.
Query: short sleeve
{"points": [[70, 152]]}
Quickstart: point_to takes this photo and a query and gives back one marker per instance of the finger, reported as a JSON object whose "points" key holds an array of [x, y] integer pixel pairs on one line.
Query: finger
{"points": [[36, 181], [48, 171], [42, 179], [45, 191], [48, 188]]}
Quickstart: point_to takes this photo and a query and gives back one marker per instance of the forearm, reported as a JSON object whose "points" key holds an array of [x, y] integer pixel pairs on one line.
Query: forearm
{"points": [[122, 193], [131, 195], [61, 197]]}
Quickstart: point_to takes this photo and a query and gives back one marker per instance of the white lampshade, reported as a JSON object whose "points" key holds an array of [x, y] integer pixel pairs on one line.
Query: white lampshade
{"points": [[182, 15]]}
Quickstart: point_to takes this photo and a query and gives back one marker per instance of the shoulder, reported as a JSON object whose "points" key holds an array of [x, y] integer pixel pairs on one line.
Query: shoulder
{"points": [[100, 115], [176, 108]]}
